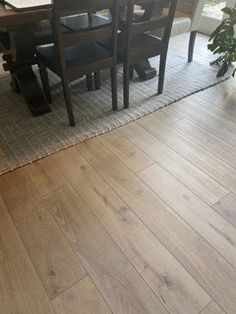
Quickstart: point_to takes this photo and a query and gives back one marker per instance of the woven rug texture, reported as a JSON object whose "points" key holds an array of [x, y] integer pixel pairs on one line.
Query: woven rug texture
{"points": [[24, 138]]}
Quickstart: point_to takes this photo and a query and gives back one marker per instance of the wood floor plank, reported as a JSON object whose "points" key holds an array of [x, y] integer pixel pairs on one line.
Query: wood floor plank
{"points": [[196, 180], [167, 116], [44, 180], [207, 141], [118, 282], [222, 96], [210, 108], [134, 159], [227, 208], [56, 265], [215, 168], [81, 298], [212, 308], [176, 289], [20, 288], [208, 267], [207, 222], [202, 136], [204, 120]]}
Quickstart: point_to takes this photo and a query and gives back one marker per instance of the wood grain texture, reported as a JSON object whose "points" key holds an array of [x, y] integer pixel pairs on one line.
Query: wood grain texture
{"points": [[213, 308], [207, 141], [134, 159], [167, 116], [212, 226], [222, 96], [227, 208], [55, 263], [120, 285], [187, 173], [215, 126], [213, 167], [174, 287], [82, 298], [20, 288], [45, 176], [224, 91], [211, 109], [207, 266], [9, 17]]}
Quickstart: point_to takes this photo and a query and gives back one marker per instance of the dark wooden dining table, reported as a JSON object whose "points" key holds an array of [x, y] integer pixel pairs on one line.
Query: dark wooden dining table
{"points": [[17, 36], [19, 49]]}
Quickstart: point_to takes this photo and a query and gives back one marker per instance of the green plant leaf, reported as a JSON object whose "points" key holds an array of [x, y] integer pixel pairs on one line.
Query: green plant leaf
{"points": [[223, 43], [229, 11]]}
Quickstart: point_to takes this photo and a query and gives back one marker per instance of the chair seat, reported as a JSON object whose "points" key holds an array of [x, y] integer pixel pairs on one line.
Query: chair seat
{"points": [[74, 56]]}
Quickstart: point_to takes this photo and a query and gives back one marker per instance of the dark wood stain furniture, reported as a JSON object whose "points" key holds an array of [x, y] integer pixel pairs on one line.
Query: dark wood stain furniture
{"points": [[77, 52], [19, 41], [44, 35], [19, 48], [19, 36], [137, 43], [192, 40], [23, 5]]}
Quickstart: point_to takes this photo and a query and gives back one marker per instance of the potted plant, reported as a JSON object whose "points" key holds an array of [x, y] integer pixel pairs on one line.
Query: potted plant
{"points": [[223, 42]]}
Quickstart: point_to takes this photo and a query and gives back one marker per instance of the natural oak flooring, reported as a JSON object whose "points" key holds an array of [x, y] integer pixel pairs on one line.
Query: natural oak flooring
{"points": [[138, 220]]}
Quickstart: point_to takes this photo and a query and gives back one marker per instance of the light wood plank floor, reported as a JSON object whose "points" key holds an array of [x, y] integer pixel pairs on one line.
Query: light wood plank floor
{"points": [[139, 220]]}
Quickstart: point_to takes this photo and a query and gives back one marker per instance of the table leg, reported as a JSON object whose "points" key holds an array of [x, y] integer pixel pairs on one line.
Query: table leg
{"points": [[18, 61], [25, 79], [144, 70]]}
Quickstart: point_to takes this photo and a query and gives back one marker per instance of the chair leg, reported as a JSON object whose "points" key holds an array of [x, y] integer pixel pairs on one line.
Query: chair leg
{"points": [[126, 84], [68, 101], [162, 68], [89, 79], [44, 78], [114, 88], [97, 78], [192, 39]]}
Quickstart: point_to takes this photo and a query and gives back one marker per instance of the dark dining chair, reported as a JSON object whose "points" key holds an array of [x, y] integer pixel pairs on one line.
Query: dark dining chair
{"points": [[136, 42], [44, 36], [76, 52]]}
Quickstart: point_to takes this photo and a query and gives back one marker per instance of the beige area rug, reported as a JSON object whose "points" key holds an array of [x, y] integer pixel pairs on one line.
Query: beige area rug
{"points": [[24, 139]]}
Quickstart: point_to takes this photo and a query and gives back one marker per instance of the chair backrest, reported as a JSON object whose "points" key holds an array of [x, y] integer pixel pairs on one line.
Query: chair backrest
{"points": [[150, 22], [75, 37]]}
